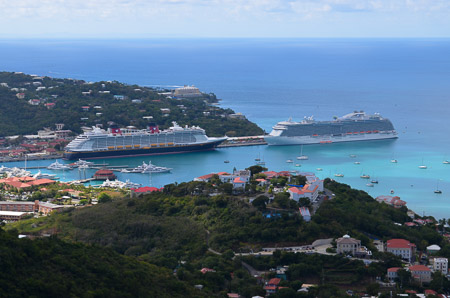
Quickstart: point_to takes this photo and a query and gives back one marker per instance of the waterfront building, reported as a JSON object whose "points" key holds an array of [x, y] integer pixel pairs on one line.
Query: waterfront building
{"points": [[104, 175], [348, 245], [440, 264], [402, 248], [19, 206], [392, 201]]}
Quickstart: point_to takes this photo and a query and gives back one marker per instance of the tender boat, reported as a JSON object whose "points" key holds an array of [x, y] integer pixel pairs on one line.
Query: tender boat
{"points": [[356, 162], [423, 167], [438, 191], [339, 175], [393, 161], [364, 176], [352, 155], [369, 184], [289, 161], [298, 165], [226, 161], [374, 181], [319, 169]]}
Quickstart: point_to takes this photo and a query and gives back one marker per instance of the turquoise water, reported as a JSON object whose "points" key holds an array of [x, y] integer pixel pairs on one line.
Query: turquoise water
{"points": [[271, 80]]}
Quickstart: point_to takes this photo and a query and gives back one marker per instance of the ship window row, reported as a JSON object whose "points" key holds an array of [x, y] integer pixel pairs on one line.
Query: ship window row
{"points": [[337, 128]]}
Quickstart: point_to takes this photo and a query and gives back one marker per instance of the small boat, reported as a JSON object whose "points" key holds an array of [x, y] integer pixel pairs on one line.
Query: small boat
{"points": [[374, 181], [446, 162], [261, 163], [393, 161], [302, 157], [226, 161], [352, 155], [356, 162], [289, 161], [392, 191], [319, 169], [298, 165], [258, 158], [339, 175], [422, 166], [81, 162], [369, 184], [58, 166], [437, 191], [364, 176]]}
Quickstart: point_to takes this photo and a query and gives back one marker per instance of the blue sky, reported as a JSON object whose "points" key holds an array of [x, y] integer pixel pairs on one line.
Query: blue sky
{"points": [[223, 18]]}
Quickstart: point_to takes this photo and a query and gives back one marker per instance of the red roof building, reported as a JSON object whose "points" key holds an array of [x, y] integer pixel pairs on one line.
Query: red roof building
{"points": [[421, 273], [402, 248], [104, 175]]}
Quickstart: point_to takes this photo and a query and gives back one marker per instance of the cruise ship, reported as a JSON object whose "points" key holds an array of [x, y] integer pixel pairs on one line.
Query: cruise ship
{"points": [[117, 142], [356, 126]]}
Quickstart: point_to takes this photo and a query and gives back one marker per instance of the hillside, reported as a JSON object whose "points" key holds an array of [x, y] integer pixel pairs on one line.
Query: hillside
{"points": [[178, 225], [49, 267], [61, 101]]}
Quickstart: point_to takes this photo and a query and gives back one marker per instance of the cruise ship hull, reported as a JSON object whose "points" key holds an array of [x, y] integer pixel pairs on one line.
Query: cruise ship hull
{"points": [[306, 140], [74, 155]]}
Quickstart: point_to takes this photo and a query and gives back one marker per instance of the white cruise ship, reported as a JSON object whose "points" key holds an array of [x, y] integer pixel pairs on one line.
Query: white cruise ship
{"points": [[356, 126]]}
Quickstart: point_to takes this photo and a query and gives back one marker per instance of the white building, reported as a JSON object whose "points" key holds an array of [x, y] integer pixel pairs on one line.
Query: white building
{"points": [[440, 264], [187, 91], [304, 212], [402, 248]]}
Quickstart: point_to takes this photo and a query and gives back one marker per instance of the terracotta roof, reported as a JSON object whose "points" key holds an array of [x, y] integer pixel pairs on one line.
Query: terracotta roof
{"points": [[18, 184], [399, 243], [42, 182], [238, 180], [394, 269], [274, 281], [205, 177], [419, 268], [104, 172], [145, 189]]}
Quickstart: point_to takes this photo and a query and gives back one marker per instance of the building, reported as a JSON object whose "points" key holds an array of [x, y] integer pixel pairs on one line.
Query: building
{"points": [[440, 264], [143, 190], [20, 95], [11, 215], [47, 208], [187, 91], [104, 175], [308, 191], [392, 273], [433, 249], [120, 97], [272, 285], [34, 102], [392, 201], [402, 248], [304, 212], [19, 206], [420, 273], [348, 245]]}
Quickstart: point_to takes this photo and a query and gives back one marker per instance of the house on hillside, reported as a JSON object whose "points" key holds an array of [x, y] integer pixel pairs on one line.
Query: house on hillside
{"points": [[402, 248], [348, 245]]}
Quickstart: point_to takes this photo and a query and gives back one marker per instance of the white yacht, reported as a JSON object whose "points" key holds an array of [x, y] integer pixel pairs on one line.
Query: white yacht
{"points": [[302, 157], [151, 168], [58, 166]]}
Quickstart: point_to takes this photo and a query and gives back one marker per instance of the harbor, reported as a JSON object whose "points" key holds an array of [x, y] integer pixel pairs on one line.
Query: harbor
{"points": [[414, 185]]}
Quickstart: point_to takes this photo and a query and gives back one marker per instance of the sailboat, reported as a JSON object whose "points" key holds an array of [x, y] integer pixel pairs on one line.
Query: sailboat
{"points": [[422, 166], [438, 191], [261, 162], [258, 158], [302, 157]]}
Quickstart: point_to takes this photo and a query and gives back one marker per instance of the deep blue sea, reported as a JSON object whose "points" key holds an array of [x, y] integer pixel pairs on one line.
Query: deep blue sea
{"points": [[270, 80]]}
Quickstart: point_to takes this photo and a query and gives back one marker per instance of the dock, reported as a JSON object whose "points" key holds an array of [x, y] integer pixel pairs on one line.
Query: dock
{"points": [[243, 141]]}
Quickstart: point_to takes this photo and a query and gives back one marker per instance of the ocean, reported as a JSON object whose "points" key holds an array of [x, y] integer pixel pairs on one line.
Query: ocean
{"points": [[270, 80]]}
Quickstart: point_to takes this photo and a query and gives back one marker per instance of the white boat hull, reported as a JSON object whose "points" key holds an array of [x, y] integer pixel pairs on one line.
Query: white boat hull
{"points": [[308, 140]]}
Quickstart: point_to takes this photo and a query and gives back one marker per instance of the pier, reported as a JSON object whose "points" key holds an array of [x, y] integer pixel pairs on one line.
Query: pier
{"points": [[243, 141]]}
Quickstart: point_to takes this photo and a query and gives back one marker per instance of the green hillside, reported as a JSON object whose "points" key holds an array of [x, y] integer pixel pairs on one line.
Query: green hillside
{"points": [[18, 116]]}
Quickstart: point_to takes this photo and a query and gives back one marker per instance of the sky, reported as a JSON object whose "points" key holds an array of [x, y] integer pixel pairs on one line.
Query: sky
{"points": [[223, 18]]}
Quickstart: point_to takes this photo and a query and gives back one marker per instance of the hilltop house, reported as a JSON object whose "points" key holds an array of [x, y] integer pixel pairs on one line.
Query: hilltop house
{"points": [[440, 264], [420, 273]]}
